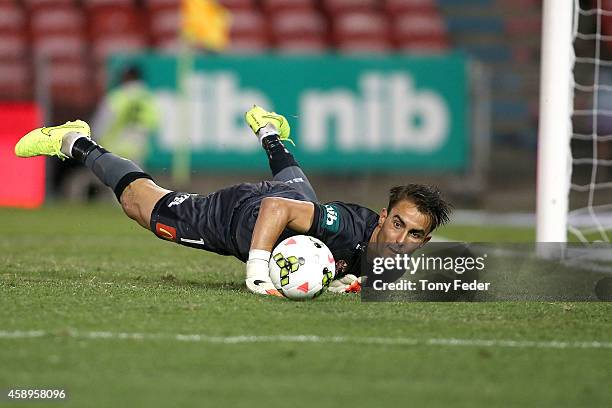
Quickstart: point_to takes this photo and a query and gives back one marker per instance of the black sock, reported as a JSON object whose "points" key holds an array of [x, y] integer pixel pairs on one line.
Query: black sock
{"points": [[112, 170], [82, 147], [278, 156]]}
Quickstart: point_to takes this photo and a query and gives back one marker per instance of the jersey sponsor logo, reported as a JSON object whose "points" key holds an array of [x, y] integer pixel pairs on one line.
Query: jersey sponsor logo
{"points": [[178, 200], [330, 221], [165, 231]]}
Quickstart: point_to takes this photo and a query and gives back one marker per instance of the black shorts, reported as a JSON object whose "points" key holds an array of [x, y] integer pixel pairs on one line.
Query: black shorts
{"points": [[221, 222]]}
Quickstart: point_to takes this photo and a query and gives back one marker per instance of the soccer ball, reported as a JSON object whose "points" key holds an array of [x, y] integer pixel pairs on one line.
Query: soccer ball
{"points": [[302, 267]]}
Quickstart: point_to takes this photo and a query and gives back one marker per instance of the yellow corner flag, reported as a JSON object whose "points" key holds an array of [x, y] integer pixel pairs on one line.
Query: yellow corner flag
{"points": [[206, 23]]}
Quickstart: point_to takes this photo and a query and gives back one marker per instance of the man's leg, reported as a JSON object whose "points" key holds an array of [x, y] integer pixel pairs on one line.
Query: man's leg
{"points": [[134, 188], [271, 129], [285, 168]]}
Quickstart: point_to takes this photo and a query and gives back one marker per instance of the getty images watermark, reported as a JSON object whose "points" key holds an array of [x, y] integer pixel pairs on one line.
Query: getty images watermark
{"points": [[485, 272], [411, 264]]}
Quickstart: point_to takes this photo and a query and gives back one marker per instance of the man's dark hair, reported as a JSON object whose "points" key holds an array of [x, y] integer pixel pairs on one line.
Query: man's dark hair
{"points": [[427, 199]]}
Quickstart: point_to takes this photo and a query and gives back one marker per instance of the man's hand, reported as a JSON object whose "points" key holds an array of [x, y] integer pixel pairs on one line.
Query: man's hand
{"points": [[257, 275], [346, 284]]}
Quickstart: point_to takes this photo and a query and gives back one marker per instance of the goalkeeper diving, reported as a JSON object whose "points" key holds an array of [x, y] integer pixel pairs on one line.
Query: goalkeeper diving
{"points": [[248, 220]]}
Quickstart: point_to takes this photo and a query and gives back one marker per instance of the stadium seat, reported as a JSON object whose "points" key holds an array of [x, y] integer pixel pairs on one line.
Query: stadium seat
{"points": [[164, 25], [59, 46], [238, 4], [93, 4], [475, 25], [334, 7], [394, 7], [301, 45], [13, 45], [56, 20], [248, 31], [275, 6], [248, 45], [12, 18], [15, 80], [361, 31], [525, 25], [34, 4], [162, 4], [303, 28], [70, 83], [106, 45], [116, 21], [420, 32]]}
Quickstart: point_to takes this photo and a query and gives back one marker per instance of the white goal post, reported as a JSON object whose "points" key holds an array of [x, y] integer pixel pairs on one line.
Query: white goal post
{"points": [[555, 127]]}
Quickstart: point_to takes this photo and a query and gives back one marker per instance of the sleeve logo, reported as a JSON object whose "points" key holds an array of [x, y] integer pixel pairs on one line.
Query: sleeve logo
{"points": [[330, 221]]}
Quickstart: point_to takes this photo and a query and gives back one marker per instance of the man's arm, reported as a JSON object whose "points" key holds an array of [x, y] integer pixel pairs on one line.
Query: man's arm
{"points": [[276, 214]]}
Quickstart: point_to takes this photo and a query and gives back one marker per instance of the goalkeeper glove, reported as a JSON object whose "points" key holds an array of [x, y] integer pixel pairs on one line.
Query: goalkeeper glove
{"points": [[346, 284], [257, 273]]}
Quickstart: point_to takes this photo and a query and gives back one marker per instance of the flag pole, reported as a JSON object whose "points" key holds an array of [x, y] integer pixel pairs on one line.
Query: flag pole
{"points": [[181, 160], [205, 23]]}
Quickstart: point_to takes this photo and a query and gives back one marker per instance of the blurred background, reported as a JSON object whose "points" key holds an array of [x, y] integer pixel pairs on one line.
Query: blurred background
{"points": [[378, 92]]}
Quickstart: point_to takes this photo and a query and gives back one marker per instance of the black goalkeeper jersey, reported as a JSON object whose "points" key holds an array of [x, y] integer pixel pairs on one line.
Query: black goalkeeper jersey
{"points": [[346, 229], [223, 222]]}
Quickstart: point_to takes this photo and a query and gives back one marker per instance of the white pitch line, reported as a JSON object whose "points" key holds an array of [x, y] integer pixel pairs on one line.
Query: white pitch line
{"points": [[397, 341]]}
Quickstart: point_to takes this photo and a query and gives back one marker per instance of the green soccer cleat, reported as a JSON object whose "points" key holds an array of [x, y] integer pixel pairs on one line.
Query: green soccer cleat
{"points": [[257, 118], [47, 141]]}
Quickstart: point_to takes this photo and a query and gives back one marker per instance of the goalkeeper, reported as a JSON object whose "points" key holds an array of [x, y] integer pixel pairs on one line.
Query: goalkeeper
{"points": [[248, 220]]}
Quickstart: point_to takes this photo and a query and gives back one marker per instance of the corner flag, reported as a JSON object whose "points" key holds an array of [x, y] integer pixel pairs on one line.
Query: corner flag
{"points": [[206, 23]]}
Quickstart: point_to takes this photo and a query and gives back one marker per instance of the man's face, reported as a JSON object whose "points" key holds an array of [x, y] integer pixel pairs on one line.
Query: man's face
{"points": [[402, 230]]}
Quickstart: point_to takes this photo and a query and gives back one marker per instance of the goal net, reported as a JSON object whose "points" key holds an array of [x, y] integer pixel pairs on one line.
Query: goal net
{"points": [[575, 156]]}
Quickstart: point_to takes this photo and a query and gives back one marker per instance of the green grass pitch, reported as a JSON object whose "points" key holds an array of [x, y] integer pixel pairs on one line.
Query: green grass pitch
{"points": [[82, 276]]}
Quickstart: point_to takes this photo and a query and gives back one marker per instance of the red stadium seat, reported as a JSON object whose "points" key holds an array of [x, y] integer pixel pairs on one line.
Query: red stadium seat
{"points": [[56, 20], [238, 4], [59, 46], [304, 45], [15, 80], [298, 26], [93, 4], [12, 18], [164, 24], [425, 46], [34, 4], [106, 45], [361, 31], [162, 4], [394, 7], [70, 83], [275, 6], [343, 6], [420, 32], [13, 45], [248, 31], [248, 44], [116, 21]]}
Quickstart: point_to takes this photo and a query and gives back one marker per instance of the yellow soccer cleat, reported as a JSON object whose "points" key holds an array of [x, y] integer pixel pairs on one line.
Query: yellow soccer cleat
{"points": [[258, 118], [47, 141]]}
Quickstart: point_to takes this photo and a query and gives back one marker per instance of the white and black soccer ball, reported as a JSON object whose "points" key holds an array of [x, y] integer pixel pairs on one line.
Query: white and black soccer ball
{"points": [[302, 267]]}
